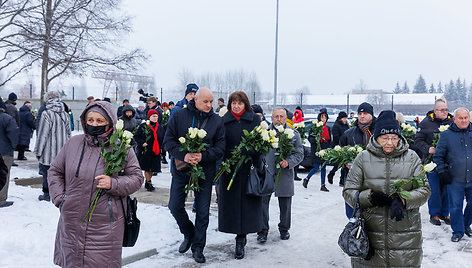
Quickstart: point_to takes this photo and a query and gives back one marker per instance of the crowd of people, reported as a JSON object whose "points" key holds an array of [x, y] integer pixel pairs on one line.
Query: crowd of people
{"points": [[71, 181]]}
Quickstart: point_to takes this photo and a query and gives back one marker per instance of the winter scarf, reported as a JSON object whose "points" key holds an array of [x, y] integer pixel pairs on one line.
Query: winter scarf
{"points": [[325, 134], [367, 134], [155, 146], [238, 115]]}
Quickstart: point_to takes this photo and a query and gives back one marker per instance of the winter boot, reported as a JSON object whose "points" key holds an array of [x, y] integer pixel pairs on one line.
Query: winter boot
{"points": [[148, 185], [240, 243], [164, 161], [262, 237], [330, 178], [434, 220], [447, 220], [305, 182], [284, 235], [323, 188], [44, 197]]}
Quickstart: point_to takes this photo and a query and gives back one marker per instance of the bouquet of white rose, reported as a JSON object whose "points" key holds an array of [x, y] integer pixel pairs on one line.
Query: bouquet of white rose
{"points": [[438, 134], [193, 143], [285, 148], [300, 127], [259, 140], [165, 117], [316, 131], [340, 155], [408, 131]]}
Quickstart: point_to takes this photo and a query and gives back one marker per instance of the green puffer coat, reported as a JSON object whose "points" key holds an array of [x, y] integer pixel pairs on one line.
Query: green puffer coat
{"points": [[396, 243]]}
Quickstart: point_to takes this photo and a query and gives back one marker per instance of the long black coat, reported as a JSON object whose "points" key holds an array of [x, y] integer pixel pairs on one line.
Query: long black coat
{"points": [[26, 125], [3, 172], [323, 145], [149, 161], [338, 130], [237, 212], [425, 135]]}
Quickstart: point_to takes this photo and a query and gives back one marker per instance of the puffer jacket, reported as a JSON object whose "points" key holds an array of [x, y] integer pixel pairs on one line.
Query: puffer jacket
{"points": [[396, 243], [72, 187]]}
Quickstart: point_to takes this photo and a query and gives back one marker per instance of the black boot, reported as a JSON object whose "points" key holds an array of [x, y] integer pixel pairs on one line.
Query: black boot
{"points": [[240, 243], [148, 185], [163, 157], [44, 197], [330, 178], [198, 255], [262, 237]]}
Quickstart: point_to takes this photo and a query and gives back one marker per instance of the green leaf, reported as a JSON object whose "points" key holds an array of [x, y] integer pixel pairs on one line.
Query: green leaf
{"points": [[398, 183], [405, 195]]}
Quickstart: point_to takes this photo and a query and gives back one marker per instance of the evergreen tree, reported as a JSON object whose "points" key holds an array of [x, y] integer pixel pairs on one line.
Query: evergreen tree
{"points": [[420, 86], [450, 91], [405, 89], [432, 89], [440, 88], [397, 89], [461, 92]]}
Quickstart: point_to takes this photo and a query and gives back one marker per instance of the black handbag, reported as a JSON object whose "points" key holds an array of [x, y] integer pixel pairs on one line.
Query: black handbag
{"points": [[132, 223], [260, 182], [354, 240]]}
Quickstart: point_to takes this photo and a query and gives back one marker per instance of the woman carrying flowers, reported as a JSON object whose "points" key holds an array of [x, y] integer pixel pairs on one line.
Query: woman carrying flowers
{"points": [[393, 221], [149, 137], [238, 213], [319, 142], [75, 176]]}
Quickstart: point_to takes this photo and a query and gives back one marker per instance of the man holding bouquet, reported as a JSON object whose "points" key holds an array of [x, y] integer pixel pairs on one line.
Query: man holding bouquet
{"points": [[198, 114], [285, 182]]}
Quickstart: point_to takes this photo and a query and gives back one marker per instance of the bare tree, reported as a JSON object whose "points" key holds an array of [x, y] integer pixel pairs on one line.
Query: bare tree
{"points": [[185, 76], [75, 37], [301, 95], [377, 100], [361, 86]]}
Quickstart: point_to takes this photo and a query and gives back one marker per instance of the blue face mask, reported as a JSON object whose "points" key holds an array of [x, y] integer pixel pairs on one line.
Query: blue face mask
{"points": [[96, 130]]}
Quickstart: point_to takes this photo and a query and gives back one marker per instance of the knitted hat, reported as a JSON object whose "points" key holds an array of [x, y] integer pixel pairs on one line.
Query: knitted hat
{"points": [[12, 97], [257, 109], [125, 100], [151, 112], [323, 111], [366, 108], [191, 88], [387, 124], [341, 114]]}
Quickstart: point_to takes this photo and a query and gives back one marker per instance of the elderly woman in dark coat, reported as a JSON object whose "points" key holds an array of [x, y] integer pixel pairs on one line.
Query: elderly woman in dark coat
{"points": [[75, 176], [238, 213], [149, 138], [394, 227], [26, 129]]}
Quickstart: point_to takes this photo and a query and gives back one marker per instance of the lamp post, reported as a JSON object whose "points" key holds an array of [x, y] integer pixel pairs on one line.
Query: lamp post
{"points": [[276, 50]]}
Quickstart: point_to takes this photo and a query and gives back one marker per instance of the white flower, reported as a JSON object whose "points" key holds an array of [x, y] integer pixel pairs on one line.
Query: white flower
{"points": [[276, 140], [321, 153], [272, 132], [359, 150], [275, 145], [319, 124], [119, 124], [352, 149], [143, 121], [289, 132], [337, 148], [429, 167], [265, 135], [264, 125], [202, 133], [182, 140], [443, 128], [403, 125], [148, 122], [280, 128], [193, 132], [258, 129], [127, 135], [167, 112]]}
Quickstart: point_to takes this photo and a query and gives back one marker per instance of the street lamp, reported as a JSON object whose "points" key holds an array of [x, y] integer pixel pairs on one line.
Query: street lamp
{"points": [[276, 50]]}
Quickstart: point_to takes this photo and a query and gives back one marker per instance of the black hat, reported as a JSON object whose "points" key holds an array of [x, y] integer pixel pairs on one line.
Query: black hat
{"points": [[221, 99], [341, 114], [171, 103], [387, 124], [12, 97], [366, 108], [257, 109], [125, 100], [323, 111], [107, 99], [191, 88]]}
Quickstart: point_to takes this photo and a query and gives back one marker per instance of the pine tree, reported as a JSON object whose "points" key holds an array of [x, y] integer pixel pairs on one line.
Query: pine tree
{"points": [[469, 91], [397, 89], [432, 89], [420, 86], [450, 91], [460, 91], [440, 88], [405, 89]]}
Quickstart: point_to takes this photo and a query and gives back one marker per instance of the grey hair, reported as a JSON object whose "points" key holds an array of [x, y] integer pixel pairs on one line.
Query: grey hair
{"points": [[51, 95], [280, 108], [400, 118], [461, 109], [438, 101]]}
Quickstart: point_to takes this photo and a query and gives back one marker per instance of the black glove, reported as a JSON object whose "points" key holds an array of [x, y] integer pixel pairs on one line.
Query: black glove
{"points": [[370, 254], [444, 178], [380, 199], [396, 209], [245, 151]]}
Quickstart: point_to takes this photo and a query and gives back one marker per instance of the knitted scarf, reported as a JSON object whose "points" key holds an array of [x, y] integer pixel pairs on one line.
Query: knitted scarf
{"points": [[155, 146], [238, 115], [365, 128]]}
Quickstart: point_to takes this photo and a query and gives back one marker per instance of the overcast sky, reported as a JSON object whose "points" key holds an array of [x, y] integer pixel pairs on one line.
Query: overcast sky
{"points": [[327, 45]]}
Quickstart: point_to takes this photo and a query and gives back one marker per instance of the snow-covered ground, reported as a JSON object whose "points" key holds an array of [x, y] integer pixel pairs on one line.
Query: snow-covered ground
{"points": [[28, 231]]}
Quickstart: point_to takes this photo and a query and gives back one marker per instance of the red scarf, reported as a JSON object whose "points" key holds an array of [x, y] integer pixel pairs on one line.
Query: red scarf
{"points": [[325, 134], [155, 146], [238, 115]]}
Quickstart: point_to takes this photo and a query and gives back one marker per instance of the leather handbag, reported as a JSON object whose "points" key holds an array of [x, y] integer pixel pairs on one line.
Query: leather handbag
{"points": [[260, 182], [354, 240], [132, 223]]}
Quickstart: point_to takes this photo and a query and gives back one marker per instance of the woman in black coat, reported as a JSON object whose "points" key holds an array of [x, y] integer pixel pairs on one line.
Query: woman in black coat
{"points": [[238, 213], [26, 129], [149, 138], [325, 143]]}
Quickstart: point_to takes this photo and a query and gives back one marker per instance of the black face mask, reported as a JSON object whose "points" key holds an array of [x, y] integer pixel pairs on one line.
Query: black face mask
{"points": [[96, 130]]}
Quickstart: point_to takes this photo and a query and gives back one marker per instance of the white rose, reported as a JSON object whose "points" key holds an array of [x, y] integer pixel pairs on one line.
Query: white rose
{"points": [[337, 148], [202, 133], [272, 132], [443, 128], [352, 149], [265, 135], [167, 112], [120, 124], [359, 150], [148, 122], [289, 132], [320, 124], [314, 122], [275, 145], [321, 153], [280, 128], [127, 135], [143, 121], [276, 140], [264, 125], [302, 124], [182, 140], [403, 125], [192, 132], [429, 167]]}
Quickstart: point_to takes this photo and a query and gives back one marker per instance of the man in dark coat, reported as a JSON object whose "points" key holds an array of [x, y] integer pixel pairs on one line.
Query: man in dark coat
{"points": [[438, 202], [199, 114], [339, 127], [453, 156], [8, 142], [11, 108], [152, 104], [141, 112], [119, 112], [3, 173], [189, 95], [285, 184], [26, 129]]}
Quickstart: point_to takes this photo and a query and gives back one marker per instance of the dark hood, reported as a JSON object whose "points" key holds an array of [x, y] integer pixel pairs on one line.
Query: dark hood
{"points": [[454, 128], [24, 108], [108, 108], [128, 107], [430, 115]]}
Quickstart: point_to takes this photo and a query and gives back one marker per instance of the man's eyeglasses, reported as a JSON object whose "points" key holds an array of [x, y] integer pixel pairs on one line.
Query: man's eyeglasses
{"points": [[442, 110], [386, 139]]}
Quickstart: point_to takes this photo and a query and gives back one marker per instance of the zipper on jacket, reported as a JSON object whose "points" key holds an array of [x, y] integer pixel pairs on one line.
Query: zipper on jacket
{"points": [[80, 160], [387, 258], [111, 208], [62, 202]]}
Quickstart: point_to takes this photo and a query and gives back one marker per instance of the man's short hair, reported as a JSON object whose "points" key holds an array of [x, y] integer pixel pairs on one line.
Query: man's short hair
{"points": [[90, 98], [152, 99], [461, 109], [280, 108], [222, 100], [436, 102]]}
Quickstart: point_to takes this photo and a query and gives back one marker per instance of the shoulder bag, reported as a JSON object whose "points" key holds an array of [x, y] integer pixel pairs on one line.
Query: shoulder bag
{"points": [[132, 223], [261, 181]]}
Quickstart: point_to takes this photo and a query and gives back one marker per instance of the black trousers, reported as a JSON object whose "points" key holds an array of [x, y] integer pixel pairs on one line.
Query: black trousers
{"points": [[285, 206], [202, 206], [344, 171], [21, 151]]}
